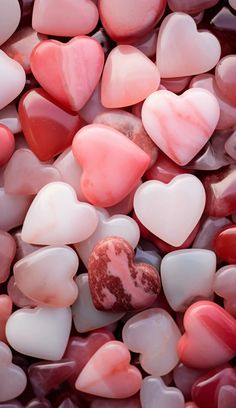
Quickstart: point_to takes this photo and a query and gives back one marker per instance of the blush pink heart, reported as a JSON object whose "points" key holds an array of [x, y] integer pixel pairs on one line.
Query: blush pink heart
{"points": [[7, 253], [72, 70], [5, 313], [7, 143]]}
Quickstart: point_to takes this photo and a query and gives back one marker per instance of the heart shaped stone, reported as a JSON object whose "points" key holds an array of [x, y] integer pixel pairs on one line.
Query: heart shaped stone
{"points": [[17, 297], [5, 313], [10, 14], [7, 254], [7, 143], [18, 380], [116, 282], [224, 244], [154, 334], [179, 206], [180, 125], [55, 217], [143, 77], [230, 145], [184, 377], [208, 231], [225, 286], [68, 19], [72, 70], [225, 77], [179, 31], [12, 210], [104, 181], [85, 316], [154, 393], [10, 118], [233, 4], [115, 379], [12, 79], [52, 135], [187, 275], [191, 7], [117, 225], [37, 273], [41, 332], [210, 337], [26, 175]]}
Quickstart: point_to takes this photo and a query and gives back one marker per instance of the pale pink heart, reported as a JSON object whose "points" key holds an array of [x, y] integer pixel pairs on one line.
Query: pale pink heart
{"points": [[180, 125], [128, 77], [12, 210], [182, 50], [233, 4], [26, 175], [17, 297], [7, 253], [154, 393], [115, 379], [225, 286], [46, 276], [10, 14], [12, 79], [56, 217], [69, 18], [5, 313], [10, 118]]}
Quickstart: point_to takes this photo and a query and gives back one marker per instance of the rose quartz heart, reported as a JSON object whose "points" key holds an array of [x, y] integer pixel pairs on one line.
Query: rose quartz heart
{"points": [[8, 371], [180, 125], [115, 379], [192, 6], [17, 297], [46, 276], [72, 70], [69, 18], [12, 79], [57, 218], [12, 209], [178, 32], [112, 164], [7, 253], [5, 313], [128, 77], [225, 286], [9, 18], [26, 175], [7, 143]]}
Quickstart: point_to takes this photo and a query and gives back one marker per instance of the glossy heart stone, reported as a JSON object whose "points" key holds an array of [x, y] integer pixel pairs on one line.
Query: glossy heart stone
{"points": [[155, 393], [12, 79], [225, 286], [41, 332], [208, 231], [225, 244], [187, 275], [56, 217], [164, 169], [117, 225], [10, 118], [127, 69], [16, 296], [7, 143], [191, 7], [104, 181], [72, 70], [12, 210], [115, 379], [225, 77], [26, 175], [5, 312], [69, 18], [48, 128], [187, 115], [178, 210], [85, 316], [9, 18], [154, 334], [184, 377], [10, 389], [179, 31], [233, 4], [7, 254], [210, 337], [230, 145], [37, 273], [116, 282]]}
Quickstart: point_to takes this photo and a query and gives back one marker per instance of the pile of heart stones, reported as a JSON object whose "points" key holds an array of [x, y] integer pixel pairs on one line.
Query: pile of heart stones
{"points": [[117, 203]]}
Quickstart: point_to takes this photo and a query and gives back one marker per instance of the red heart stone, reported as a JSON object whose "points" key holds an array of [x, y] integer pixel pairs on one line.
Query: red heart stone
{"points": [[225, 244], [48, 128], [116, 282]]}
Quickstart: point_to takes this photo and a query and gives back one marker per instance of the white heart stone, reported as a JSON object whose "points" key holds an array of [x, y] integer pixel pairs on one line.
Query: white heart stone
{"points": [[85, 316], [10, 14], [10, 118], [155, 394], [56, 217], [187, 275], [41, 332], [117, 225], [12, 79], [171, 211]]}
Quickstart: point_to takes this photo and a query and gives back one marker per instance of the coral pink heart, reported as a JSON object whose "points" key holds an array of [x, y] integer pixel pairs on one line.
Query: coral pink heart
{"points": [[115, 379], [7, 253], [72, 70], [7, 143], [112, 164], [180, 125], [210, 338], [5, 313]]}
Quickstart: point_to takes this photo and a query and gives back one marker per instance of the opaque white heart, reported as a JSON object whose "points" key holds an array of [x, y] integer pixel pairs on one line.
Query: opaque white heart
{"points": [[171, 211], [117, 225], [41, 332], [12, 79], [154, 393]]}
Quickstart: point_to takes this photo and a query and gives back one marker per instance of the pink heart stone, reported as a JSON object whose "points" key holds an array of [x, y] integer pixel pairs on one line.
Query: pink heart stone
{"points": [[5, 313], [7, 253], [225, 77], [12, 210], [12, 79], [112, 164], [7, 143], [180, 125], [192, 6]]}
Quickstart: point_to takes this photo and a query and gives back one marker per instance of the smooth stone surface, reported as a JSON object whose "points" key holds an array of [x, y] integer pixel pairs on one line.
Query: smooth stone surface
{"points": [[164, 169], [154, 393], [127, 69], [22, 248], [10, 118], [176, 85], [187, 275], [225, 77], [184, 377], [180, 125], [208, 231], [232, 4], [94, 106], [115, 379], [41, 332], [225, 286], [12, 210], [179, 31], [179, 204], [154, 334], [17, 297], [7, 143], [5, 313], [10, 14], [7, 254], [85, 316], [72, 71], [224, 244], [69, 18], [191, 7], [230, 145], [117, 225], [56, 217]]}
